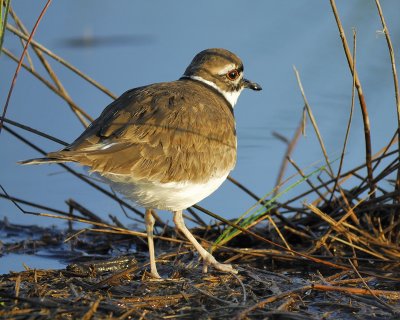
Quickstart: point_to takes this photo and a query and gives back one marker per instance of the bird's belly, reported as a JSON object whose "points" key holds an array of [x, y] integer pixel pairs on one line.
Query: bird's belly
{"points": [[172, 196]]}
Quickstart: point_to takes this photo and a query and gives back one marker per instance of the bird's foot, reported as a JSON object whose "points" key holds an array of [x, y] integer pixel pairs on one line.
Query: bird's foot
{"points": [[154, 275], [224, 267]]}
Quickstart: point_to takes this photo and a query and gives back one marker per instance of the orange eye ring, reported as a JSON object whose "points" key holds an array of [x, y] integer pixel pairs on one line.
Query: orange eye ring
{"points": [[232, 75]]}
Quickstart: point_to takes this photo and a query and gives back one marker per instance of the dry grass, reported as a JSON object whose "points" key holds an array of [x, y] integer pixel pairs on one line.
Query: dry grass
{"points": [[121, 288]]}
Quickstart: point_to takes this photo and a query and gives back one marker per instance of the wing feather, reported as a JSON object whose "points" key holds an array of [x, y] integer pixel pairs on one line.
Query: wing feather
{"points": [[162, 132]]}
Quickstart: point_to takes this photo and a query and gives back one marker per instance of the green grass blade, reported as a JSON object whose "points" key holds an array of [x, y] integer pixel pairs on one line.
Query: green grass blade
{"points": [[263, 210]]}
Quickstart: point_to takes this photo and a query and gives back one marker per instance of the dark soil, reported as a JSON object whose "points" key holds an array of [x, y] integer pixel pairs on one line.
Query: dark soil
{"points": [[269, 285]]}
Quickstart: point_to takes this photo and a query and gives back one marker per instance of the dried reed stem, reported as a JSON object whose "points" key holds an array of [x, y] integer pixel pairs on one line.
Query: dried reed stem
{"points": [[62, 61], [76, 174], [280, 233], [14, 80], [61, 94], [3, 20], [395, 80], [303, 175], [363, 105], [81, 116], [369, 289], [290, 147], [350, 116], [313, 121], [321, 142], [265, 240]]}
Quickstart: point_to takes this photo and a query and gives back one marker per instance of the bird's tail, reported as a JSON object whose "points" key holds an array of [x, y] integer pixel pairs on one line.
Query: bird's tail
{"points": [[42, 161]]}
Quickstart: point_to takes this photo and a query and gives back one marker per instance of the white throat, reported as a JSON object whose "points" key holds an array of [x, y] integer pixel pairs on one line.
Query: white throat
{"points": [[231, 96]]}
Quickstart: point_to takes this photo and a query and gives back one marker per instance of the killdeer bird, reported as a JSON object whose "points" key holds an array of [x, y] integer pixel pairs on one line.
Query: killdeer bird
{"points": [[167, 145]]}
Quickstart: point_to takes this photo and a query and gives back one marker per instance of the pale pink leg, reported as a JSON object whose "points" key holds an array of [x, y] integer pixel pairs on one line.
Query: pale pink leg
{"points": [[149, 219], [207, 257]]}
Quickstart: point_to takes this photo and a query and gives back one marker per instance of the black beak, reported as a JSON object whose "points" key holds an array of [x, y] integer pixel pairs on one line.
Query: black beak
{"points": [[251, 85]]}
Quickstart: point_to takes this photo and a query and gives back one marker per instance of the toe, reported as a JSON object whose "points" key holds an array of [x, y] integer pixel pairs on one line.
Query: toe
{"points": [[225, 268], [155, 275]]}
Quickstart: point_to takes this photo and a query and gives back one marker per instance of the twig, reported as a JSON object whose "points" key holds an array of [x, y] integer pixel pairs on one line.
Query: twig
{"points": [[290, 147], [321, 142], [350, 117], [345, 175], [209, 295], [21, 60], [37, 132], [32, 204], [197, 217], [363, 105], [308, 181], [393, 295], [314, 123], [370, 290], [243, 287], [255, 235], [81, 116], [279, 233], [395, 80], [92, 310], [372, 253], [50, 86], [83, 211], [244, 188], [263, 303], [109, 228], [3, 23], [88, 181], [63, 62]]}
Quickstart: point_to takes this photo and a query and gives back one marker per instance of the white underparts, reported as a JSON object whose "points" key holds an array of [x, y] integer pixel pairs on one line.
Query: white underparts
{"points": [[171, 196], [231, 96]]}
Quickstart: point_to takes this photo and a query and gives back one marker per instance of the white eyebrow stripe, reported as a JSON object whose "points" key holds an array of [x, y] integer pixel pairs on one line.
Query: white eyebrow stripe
{"points": [[227, 68]]}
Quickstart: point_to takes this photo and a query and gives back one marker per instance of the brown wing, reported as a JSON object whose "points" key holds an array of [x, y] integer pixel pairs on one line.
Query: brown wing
{"points": [[163, 132]]}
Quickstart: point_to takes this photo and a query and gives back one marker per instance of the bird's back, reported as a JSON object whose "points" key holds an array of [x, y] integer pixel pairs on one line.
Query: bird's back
{"points": [[176, 131]]}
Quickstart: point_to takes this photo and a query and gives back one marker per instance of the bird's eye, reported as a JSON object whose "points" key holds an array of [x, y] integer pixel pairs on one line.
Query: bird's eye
{"points": [[233, 74]]}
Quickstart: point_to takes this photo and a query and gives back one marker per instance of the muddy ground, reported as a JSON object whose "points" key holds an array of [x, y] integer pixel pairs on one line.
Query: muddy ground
{"points": [[106, 278]]}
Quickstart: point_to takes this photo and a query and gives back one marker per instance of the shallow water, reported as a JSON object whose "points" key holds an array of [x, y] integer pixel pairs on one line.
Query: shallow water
{"points": [[15, 262]]}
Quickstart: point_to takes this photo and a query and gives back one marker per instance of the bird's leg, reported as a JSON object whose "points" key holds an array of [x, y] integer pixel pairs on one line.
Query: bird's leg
{"points": [[207, 257], [205, 267], [149, 219]]}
